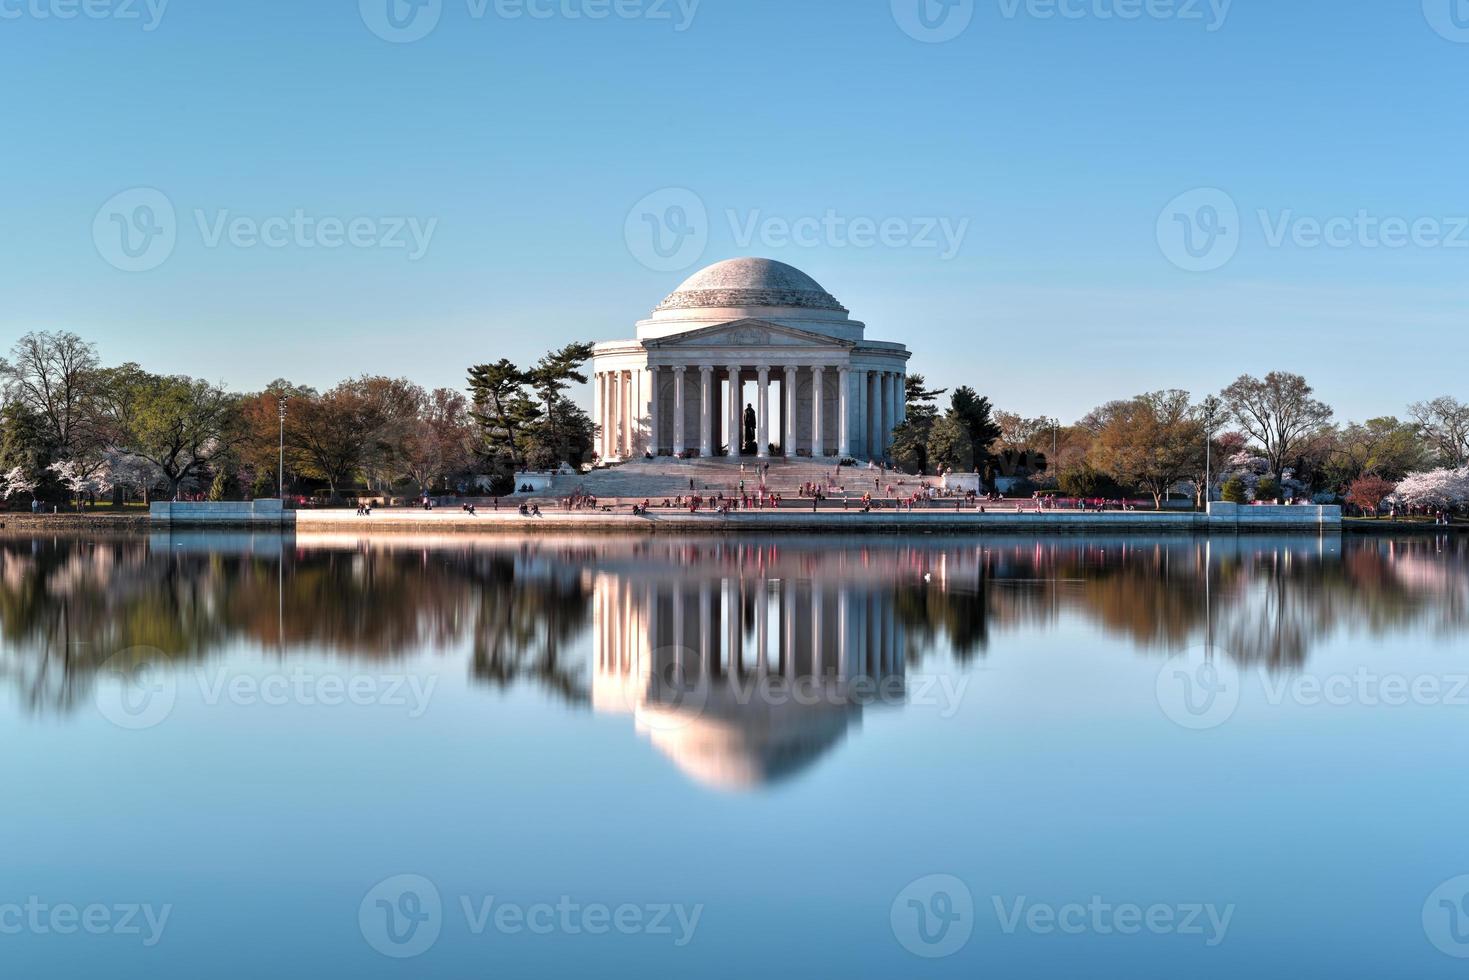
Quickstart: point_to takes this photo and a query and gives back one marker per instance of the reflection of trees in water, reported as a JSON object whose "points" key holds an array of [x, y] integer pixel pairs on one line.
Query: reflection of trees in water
{"points": [[519, 608], [68, 606], [1262, 601]]}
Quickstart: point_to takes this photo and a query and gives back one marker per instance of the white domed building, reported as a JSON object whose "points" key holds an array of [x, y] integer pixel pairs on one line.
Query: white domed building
{"points": [[748, 344]]}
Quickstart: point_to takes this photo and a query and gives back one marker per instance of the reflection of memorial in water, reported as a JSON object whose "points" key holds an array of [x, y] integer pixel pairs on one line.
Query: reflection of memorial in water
{"points": [[749, 678]]}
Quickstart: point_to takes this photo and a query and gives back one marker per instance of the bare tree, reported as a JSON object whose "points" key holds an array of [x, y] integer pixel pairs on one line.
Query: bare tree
{"points": [[55, 375], [1445, 423], [1278, 413]]}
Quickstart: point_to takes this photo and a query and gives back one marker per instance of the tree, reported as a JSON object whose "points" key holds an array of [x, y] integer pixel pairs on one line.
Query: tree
{"points": [[502, 410], [1153, 441], [975, 415], [394, 406], [910, 439], [55, 376], [563, 433], [1368, 492], [1234, 491], [440, 441], [1278, 413], [258, 453], [1380, 447], [329, 435], [17, 481], [950, 445], [25, 451], [181, 425], [1444, 422], [1022, 435], [1267, 490], [1441, 488]]}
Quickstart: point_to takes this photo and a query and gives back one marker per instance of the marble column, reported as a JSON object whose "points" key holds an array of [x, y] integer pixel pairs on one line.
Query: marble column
{"points": [[597, 410], [818, 406], [736, 436], [844, 412], [655, 436], [885, 417], [706, 411], [817, 640], [614, 415], [874, 415], [790, 400], [678, 412], [762, 413], [860, 445]]}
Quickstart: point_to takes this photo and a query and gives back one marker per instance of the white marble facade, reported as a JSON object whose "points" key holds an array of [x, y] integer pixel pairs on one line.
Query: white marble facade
{"points": [[819, 388]]}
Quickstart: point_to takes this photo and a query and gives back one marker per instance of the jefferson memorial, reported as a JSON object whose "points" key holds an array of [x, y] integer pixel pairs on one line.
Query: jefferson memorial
{"points": [[749, 357]]}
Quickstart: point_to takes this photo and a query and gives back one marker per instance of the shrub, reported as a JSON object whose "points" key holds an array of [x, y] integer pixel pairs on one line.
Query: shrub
{"points": [[1234, 491]]}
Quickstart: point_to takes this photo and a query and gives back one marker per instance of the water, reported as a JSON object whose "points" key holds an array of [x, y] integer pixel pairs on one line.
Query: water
{"points": [[242, 755]]}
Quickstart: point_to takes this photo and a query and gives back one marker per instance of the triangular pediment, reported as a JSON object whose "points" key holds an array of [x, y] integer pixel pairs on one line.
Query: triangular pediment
{"points": [[750, 333]]}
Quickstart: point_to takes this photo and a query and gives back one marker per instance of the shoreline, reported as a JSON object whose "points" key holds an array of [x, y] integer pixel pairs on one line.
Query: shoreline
{"points": [[790, 520]]}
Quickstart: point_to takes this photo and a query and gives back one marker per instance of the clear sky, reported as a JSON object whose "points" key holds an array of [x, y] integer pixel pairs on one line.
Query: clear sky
{"points": [[1054, 133]]}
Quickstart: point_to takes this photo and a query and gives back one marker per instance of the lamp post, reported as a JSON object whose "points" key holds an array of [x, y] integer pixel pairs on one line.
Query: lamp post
{"points": [[281, 469], [1210, 411]]}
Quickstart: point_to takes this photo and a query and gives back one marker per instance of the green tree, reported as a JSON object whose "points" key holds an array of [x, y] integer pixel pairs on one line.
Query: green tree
{"points": [[179, 424], [911, 438], [24, 445], [950, 445], [977, 416], [502, 411], [1234, 491]]}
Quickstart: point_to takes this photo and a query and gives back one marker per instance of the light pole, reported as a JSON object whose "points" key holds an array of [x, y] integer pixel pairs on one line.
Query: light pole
{"points": [[281, 469], [1211, 407]]}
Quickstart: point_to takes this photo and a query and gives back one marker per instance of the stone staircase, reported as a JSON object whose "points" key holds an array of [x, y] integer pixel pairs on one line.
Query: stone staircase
{"points": [[658, 478]]}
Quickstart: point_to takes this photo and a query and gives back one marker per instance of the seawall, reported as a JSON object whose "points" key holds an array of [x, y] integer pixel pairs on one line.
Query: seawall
{"points": [[1221, 519]]}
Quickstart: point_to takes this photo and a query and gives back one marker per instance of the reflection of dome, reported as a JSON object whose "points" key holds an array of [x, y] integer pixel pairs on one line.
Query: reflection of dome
{"points": [[744, 283], [737, 747]]}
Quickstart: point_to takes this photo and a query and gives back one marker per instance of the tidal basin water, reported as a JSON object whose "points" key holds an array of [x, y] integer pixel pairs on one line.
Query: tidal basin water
{"points": [[248, 755]]}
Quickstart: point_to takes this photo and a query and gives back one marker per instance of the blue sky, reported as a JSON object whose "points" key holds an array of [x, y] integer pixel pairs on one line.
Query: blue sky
{"points": [[519, 146]]}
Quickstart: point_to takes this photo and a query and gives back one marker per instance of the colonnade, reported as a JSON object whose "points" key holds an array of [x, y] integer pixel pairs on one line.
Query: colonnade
{"points": [[721, 629], [822, 410]]}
